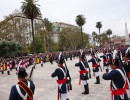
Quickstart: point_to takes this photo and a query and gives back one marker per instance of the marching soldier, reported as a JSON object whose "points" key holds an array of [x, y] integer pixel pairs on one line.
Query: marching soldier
{"points": [[62, 73], [105, 61], [118, 81], [95, 66], [110, 55], [127, 63], [24, 89], [83, 73]]}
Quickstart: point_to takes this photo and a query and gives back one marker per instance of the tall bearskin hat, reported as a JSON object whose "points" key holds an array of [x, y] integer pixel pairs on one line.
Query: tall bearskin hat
{"points": [[60, 59], [115, 60], [22, 72], [82, 55]]}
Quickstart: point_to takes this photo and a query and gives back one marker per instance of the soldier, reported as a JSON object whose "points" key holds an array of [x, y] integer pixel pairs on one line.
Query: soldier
{"points": [[110, 55], [118, 81], [127, 63], [24, 89], [95, 66], [105, 61], [62, 73], [83, 73]]}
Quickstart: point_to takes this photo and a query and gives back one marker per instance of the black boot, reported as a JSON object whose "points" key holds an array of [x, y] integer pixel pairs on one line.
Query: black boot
{"points": [[8, 72], [67, 99], [98, 80], [86, 87], [2, 72], [41, 65]]}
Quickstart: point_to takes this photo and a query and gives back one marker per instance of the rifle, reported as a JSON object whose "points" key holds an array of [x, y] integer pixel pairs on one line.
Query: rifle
{"points": [[88, 67], [29, 77], [68, 76]]}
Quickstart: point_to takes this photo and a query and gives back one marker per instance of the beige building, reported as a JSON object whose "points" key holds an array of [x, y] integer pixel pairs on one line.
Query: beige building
{"points": [[118, 41], [22, 24]]}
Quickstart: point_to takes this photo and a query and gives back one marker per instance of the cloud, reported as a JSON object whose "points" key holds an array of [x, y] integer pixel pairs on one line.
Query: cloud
{"points": [[112, 13]]}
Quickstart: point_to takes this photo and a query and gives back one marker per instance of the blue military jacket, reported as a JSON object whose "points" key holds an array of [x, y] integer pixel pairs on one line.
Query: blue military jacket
{"points": [[60, 74], [14, 95]]}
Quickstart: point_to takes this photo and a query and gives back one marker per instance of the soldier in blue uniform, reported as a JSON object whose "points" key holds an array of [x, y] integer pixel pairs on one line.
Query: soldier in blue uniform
{"points": [[105, 61], [127, 63], [83, 73], [109, 54], [95, 66], [24, 89], [118, 81], [63, 77]]}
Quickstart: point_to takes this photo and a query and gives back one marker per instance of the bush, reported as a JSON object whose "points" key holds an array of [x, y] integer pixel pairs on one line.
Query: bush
{"points": [[10, 49]]}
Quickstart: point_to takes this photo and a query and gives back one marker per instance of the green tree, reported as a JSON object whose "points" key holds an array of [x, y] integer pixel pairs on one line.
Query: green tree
{"points": [[31, 10], [10, 49], [109, 33], [69, 42], [39, 37], [99, 26], [80, 21], [48, 28]]}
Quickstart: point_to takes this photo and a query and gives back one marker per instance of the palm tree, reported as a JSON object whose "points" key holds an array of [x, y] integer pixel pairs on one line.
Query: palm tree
{"points": [[109, 33], [94, 34], [99, 26], [31, 10], [48, 28], [80, 21]]}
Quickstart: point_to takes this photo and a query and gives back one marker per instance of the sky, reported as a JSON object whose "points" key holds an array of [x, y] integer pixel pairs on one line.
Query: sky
{"points": [[112, 13]]}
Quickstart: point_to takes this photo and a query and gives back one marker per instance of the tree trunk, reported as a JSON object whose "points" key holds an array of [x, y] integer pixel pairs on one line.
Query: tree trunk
{"points": [[109, 40], [34, 44], [82, 37], [99, 38], [45, 41]]}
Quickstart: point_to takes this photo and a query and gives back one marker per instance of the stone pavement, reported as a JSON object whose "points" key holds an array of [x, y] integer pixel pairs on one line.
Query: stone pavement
{"points": [[46, 87]]}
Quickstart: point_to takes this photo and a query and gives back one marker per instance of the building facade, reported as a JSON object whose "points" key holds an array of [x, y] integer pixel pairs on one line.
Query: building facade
{"points": [[18, 24], [57, 27]]}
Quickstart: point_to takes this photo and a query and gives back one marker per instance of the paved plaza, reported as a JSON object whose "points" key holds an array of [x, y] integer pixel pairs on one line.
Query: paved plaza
{"points": [[46, 87]]}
